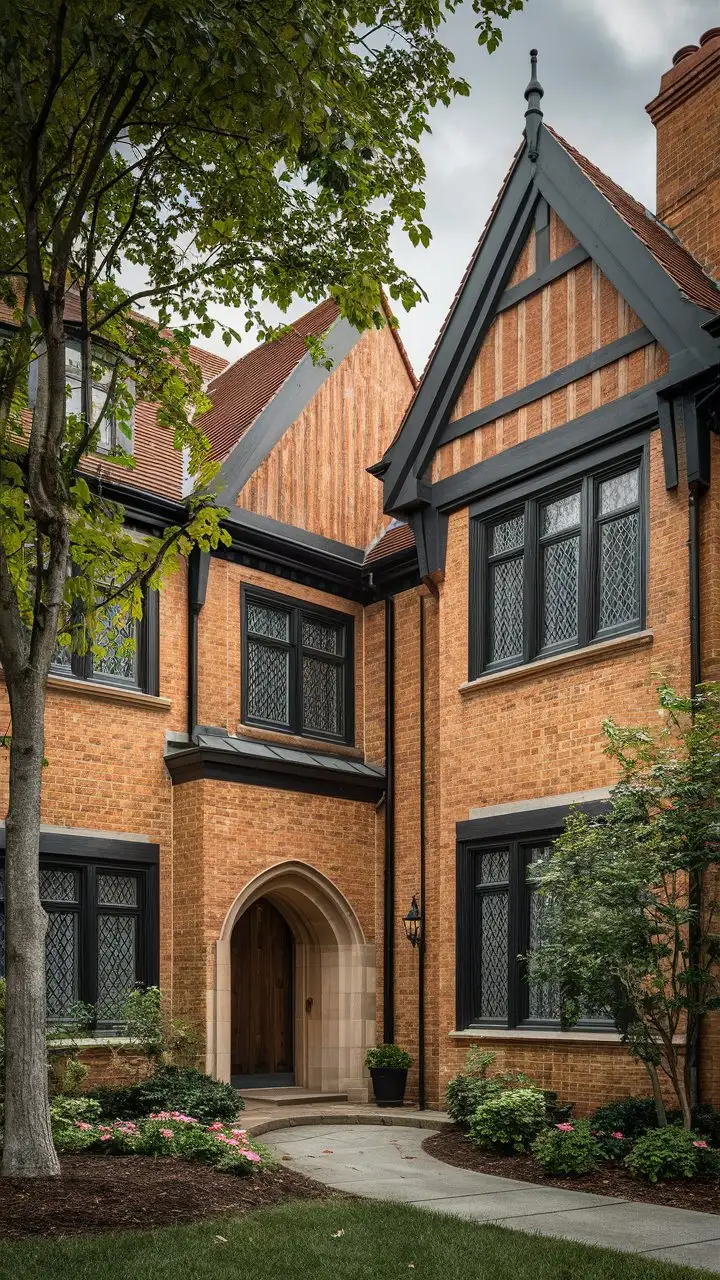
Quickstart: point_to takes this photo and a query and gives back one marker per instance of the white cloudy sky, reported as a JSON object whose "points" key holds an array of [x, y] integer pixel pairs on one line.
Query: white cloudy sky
{"points": [[600, 62]]}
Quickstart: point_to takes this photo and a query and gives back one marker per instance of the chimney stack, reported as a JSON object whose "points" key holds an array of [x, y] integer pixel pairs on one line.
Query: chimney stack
{"points": [[686, 115]]}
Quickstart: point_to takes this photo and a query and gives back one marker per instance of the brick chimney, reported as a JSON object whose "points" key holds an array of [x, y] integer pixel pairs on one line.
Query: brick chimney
{"points": [[686, 115]]}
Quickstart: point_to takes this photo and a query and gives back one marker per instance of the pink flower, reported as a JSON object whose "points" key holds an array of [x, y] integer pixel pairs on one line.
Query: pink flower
{"points": [[618, 1135], [106, 1137], [81, 1124], [702, 1145], [251, 1155], [217, 1127], [565, 1128], [166, 1133], [238, 1133]]}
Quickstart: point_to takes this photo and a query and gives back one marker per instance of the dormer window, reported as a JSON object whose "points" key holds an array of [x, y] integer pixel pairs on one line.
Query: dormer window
{"points": [[112, 439]]}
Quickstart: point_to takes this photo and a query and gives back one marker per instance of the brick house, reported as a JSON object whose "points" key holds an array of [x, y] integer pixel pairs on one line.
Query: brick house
{"points": [[392, 682]]}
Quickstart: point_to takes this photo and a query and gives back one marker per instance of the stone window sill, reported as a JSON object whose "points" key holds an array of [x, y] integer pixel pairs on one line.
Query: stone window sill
{"points": [[526, 1036], [305, 743], [558, 662], [92, 1042], [108, 693]]}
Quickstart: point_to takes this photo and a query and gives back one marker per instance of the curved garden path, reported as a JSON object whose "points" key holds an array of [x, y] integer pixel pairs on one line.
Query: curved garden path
{"points": [[386, 1162]]}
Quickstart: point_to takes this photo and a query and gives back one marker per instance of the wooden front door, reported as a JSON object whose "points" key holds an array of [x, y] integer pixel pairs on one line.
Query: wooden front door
{"points": [[262, 993]]}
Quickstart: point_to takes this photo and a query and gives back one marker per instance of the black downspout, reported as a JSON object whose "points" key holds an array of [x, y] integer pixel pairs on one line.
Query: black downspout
{"points": [[389, 870], [423, 927], [198, 568], [695, 886]]}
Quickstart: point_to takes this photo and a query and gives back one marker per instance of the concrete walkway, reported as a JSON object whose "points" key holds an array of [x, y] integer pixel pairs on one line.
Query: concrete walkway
{"points": [[388, 1163]]}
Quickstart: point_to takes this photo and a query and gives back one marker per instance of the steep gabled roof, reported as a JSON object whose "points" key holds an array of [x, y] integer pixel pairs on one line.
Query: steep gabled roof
{"points": [[663, 284], [666, 249], [241, 392]]}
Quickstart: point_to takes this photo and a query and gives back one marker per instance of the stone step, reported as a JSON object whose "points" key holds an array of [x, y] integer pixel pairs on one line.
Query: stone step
{"points": [[289, 1097]]}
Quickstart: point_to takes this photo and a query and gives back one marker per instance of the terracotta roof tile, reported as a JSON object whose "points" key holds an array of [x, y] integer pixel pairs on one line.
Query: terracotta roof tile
{"points": [[679, 263], [397, 537], [243, 390]]}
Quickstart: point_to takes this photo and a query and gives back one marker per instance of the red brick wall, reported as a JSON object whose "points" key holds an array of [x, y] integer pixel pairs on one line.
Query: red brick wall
{"points": [[686, 114]]}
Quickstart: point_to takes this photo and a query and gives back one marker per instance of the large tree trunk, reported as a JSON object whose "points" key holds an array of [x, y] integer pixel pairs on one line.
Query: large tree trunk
{"points": [[29, 1150]]}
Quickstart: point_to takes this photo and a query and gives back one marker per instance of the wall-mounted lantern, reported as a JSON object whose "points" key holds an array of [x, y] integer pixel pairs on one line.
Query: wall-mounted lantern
{"points": [[413, 923]]}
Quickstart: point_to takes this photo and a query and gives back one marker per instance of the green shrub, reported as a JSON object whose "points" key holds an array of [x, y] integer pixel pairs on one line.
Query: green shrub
{"points": [[150, 1026], [511, 1120], [669, 1152], [172, 1089], [388, 1055], [706, 1122], [629, 1116], [470, 1088], [567, 1148], [167, 1133], [72, 1121]]}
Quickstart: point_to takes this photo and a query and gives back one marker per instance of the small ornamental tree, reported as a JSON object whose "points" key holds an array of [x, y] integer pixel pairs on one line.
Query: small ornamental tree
{"points": [[631, 913], [173, 156]]}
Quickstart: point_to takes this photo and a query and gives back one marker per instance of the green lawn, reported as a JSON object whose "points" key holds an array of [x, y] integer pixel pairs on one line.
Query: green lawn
{"points": [[300, 1242]]}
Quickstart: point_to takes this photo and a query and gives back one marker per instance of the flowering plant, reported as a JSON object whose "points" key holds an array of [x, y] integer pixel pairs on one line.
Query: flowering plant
{"points": [[166, 1133], [671, 1152], [567, 1148]]}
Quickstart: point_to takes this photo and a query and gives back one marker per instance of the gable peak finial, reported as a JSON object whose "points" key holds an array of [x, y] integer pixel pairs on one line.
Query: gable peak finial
{"points": [[533, 115]]}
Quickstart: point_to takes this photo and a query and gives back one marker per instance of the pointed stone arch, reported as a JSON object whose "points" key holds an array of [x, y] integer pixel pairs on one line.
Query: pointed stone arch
{"points": [[334, 997]]}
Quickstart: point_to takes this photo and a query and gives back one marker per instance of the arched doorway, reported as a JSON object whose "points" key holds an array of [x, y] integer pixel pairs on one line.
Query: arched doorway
{"points": [[333, 982], [261, 983]]}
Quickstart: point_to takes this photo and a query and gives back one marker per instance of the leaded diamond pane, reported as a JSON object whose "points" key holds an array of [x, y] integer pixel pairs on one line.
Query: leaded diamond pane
{"points": [[62, 657], [543, 996], [116, 964], [322, 701], [506, 639], [318, 635], [563, 514], [264, 621], [112, 636], [508, 535], [61, 962], [619, 586], [493, 955], [560, 591], [268, 683], [493, 866], [618, 492], [57, 885], [117, 891]]}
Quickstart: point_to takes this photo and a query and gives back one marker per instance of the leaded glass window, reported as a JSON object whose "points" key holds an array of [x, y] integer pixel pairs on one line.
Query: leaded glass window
{"points": [[297, 667], [506, 568], [564, 570], [123, 652], [99, 937], [500, 921]]}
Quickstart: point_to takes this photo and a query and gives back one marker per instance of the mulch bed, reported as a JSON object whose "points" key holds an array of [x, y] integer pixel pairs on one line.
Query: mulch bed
{"points": [[98, 1193], [452, 1146]]}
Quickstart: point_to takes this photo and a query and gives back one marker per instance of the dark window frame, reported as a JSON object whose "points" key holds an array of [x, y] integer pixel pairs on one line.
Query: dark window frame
{"points": [[468, 937], [66, 853], [147, 656], [298, 610], [529, 504]]}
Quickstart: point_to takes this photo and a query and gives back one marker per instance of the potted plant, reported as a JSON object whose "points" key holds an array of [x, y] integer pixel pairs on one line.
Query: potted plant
{"points": [[388, 1065]]}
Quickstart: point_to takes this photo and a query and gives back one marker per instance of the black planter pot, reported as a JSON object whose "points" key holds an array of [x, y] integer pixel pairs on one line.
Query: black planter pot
{"points": [[389, 1085]]}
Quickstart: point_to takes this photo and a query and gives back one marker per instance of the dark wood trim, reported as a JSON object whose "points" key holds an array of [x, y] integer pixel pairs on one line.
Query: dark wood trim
{"points": [[545, 386], [666, 418], [297, 608], [78, 844], [558, 267], [284, 775], [524, 821], [611, 423], [542, 236]]}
